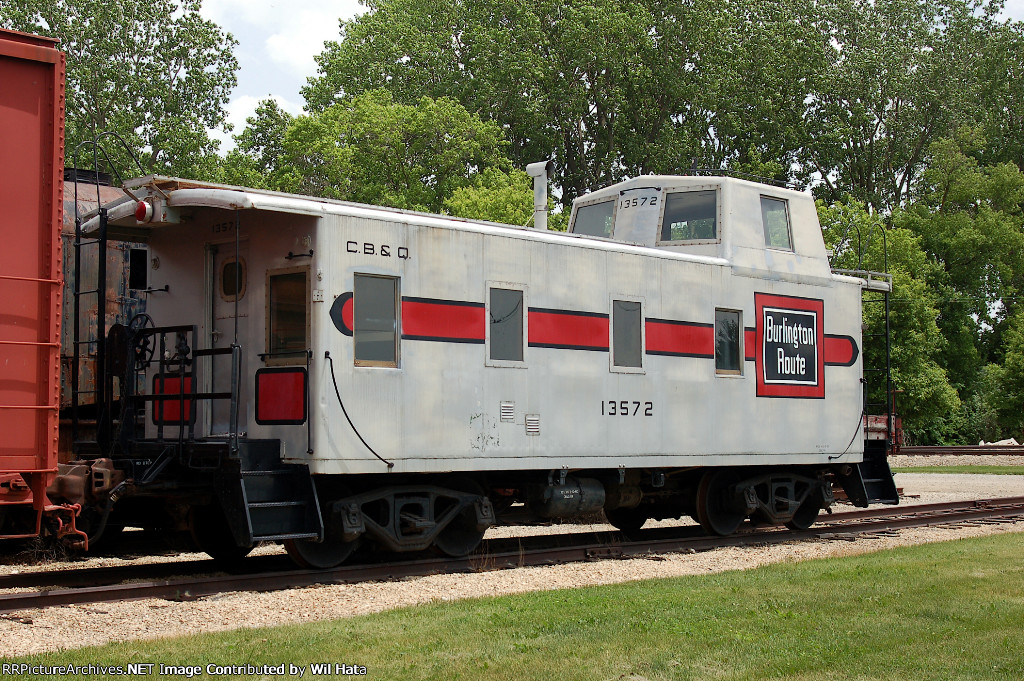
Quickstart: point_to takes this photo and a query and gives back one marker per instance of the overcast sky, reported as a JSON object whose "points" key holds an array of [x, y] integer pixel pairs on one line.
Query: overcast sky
{"points": [[277, 40]]}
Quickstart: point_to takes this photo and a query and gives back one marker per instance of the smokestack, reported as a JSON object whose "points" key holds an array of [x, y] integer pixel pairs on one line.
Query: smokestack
{"points": [[539, 172]]}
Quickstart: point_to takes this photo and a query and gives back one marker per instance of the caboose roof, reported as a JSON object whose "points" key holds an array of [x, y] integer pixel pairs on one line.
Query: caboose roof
{"points": [[682, 182], [179, 193]]}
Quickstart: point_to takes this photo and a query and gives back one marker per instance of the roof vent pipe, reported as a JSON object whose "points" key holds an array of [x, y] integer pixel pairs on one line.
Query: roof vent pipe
{"points": [[539, 172]]}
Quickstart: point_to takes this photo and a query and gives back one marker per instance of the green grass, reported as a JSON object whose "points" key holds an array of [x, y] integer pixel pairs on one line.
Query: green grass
{"points": [[989, 470], [952, 610]]}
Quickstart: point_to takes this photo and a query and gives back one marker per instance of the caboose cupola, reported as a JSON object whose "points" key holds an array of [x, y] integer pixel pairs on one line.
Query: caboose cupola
{"points": [[762, 231]]}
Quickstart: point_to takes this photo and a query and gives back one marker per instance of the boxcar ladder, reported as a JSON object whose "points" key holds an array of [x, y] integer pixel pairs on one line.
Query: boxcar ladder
{"points": [[82, 448]]}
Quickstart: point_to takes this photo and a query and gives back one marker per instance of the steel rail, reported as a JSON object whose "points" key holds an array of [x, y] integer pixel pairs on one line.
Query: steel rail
{"points": [[844, 525], [918, 509]]}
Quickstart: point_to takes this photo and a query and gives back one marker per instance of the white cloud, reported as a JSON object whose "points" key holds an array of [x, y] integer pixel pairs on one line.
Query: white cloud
{"points": [[300, 36], [237, 12], [1014, 9], [287, 33], [277, 41]]}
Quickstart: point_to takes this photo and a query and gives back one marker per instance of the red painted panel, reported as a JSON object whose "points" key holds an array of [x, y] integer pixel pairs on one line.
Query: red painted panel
{"points": [[566, 329], [169, 410], [684, 339], [442, 320], [281, 396], [31, 188]]}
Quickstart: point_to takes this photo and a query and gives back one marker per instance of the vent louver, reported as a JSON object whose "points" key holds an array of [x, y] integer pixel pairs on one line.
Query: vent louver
{"points": [[533, 424]]}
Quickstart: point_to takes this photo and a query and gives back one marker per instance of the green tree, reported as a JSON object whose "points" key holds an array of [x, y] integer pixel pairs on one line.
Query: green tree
{"points": [[258, 148], [860, 240], [968, 218], [598, 87], [758, 64], [153, 71], [900, 75], [1002, 100], [848, 93], [494, 195], [373, 150], [1005, 399]]}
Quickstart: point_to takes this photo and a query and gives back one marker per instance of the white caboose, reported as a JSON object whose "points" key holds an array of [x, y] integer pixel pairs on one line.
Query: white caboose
{"points": [[684, 349]]}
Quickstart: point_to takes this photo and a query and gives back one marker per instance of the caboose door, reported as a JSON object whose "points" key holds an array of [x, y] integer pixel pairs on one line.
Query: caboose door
{"points": [[229, 295]]}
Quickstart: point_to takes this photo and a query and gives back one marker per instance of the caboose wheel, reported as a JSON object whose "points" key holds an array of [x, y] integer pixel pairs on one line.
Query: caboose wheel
{"points": [[333, 550], [461, 536], [717, 510], [806, 514], [316, 555], [627, 519]]}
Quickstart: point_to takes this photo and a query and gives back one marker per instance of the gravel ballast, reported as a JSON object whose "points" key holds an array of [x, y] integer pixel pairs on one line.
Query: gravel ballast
{"points": [[58, 628]]}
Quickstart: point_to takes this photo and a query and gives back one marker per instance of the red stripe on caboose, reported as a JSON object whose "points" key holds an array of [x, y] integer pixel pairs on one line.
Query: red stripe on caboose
{"points": [[347, 312], [840, 350], [567, 329], [680, 339], [443, 320]]}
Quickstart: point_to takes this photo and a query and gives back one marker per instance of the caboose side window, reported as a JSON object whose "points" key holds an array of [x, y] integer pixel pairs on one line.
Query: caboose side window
{"points": [[595, 219], [775, 218], [287, 315], [627, 334], [232, 279], [375, 320], [138, 268], [505, 325], [690, 216], [727, 342]]}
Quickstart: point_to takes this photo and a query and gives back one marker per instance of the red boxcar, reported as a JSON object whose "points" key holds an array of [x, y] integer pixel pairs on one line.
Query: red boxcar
{"points": [[31, 194]]}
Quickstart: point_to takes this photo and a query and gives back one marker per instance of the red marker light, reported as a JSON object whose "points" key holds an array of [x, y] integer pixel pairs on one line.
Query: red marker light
{"points": [[143, 211]]}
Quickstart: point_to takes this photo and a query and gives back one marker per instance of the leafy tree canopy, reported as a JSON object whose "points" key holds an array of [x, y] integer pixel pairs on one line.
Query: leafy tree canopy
{"points": [[371, 149], [153, 71], [846, 94], [968, 218], [495, 195], [860, 240]]}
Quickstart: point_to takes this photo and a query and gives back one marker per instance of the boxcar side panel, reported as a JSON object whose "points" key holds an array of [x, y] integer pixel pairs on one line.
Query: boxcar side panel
{"points": [[31, 176]]}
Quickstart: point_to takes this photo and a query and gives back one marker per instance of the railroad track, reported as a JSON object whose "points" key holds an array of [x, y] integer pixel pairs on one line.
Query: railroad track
{"points": [[269, 573]]}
